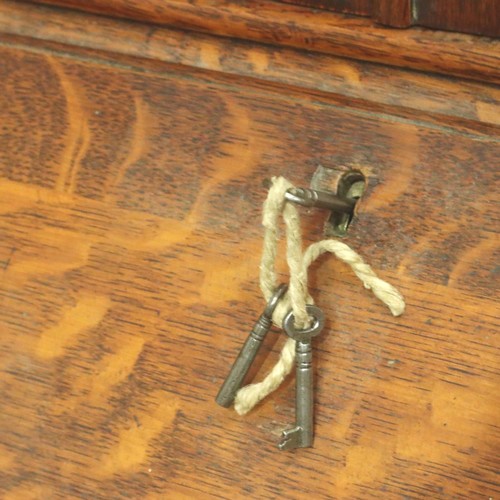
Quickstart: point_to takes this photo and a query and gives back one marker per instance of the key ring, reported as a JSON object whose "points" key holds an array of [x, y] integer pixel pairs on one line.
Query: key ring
{"points": [[274, 300], [307, 333]]}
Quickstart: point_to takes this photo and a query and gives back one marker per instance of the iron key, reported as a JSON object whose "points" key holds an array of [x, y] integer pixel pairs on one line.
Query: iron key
{"points": [[249, 350], [301, 436]]}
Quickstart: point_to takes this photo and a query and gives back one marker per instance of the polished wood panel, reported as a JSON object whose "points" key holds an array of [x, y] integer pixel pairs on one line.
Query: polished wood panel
{"points": [[356, 7], [129, 248], [396, 13], [481, 17], [466, 105], [321, 31]]}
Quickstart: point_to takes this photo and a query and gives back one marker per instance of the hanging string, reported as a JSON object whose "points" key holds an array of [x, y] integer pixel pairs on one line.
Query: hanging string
{"points": [[298, 296]]}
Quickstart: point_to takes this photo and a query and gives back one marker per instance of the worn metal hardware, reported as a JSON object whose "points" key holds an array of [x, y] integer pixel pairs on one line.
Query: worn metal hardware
{"points": [[351, 186], [301, 435], [249, 351], [320, 199]]}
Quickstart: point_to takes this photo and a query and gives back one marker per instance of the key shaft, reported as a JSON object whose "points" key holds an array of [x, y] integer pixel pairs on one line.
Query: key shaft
{"points": [[249, 351], [243, 362], [301, 436], [304, 392]]}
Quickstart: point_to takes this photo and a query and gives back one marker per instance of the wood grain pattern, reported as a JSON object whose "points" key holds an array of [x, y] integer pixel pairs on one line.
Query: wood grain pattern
{"points": [[468, 16], [130, 242], [465, 105], [479, 17], [355, 7], [396, 13], [320, 31]]}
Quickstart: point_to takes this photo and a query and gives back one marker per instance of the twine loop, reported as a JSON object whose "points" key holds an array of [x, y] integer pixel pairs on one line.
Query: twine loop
{"points": [[297, 297]]}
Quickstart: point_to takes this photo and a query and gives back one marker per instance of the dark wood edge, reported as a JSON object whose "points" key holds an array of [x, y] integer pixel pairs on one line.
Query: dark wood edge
{"points": [[395, 13], [326, 32]]}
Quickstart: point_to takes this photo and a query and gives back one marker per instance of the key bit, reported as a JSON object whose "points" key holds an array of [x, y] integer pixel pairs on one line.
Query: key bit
{"points": [[249, 351], [301, 436]]}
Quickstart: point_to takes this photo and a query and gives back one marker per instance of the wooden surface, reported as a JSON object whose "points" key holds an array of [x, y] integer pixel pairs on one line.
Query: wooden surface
{"points": [[470, 16], [396, 13], [468, 106], [355, 7], [129, 245], [320, 31], [479, 17]]}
